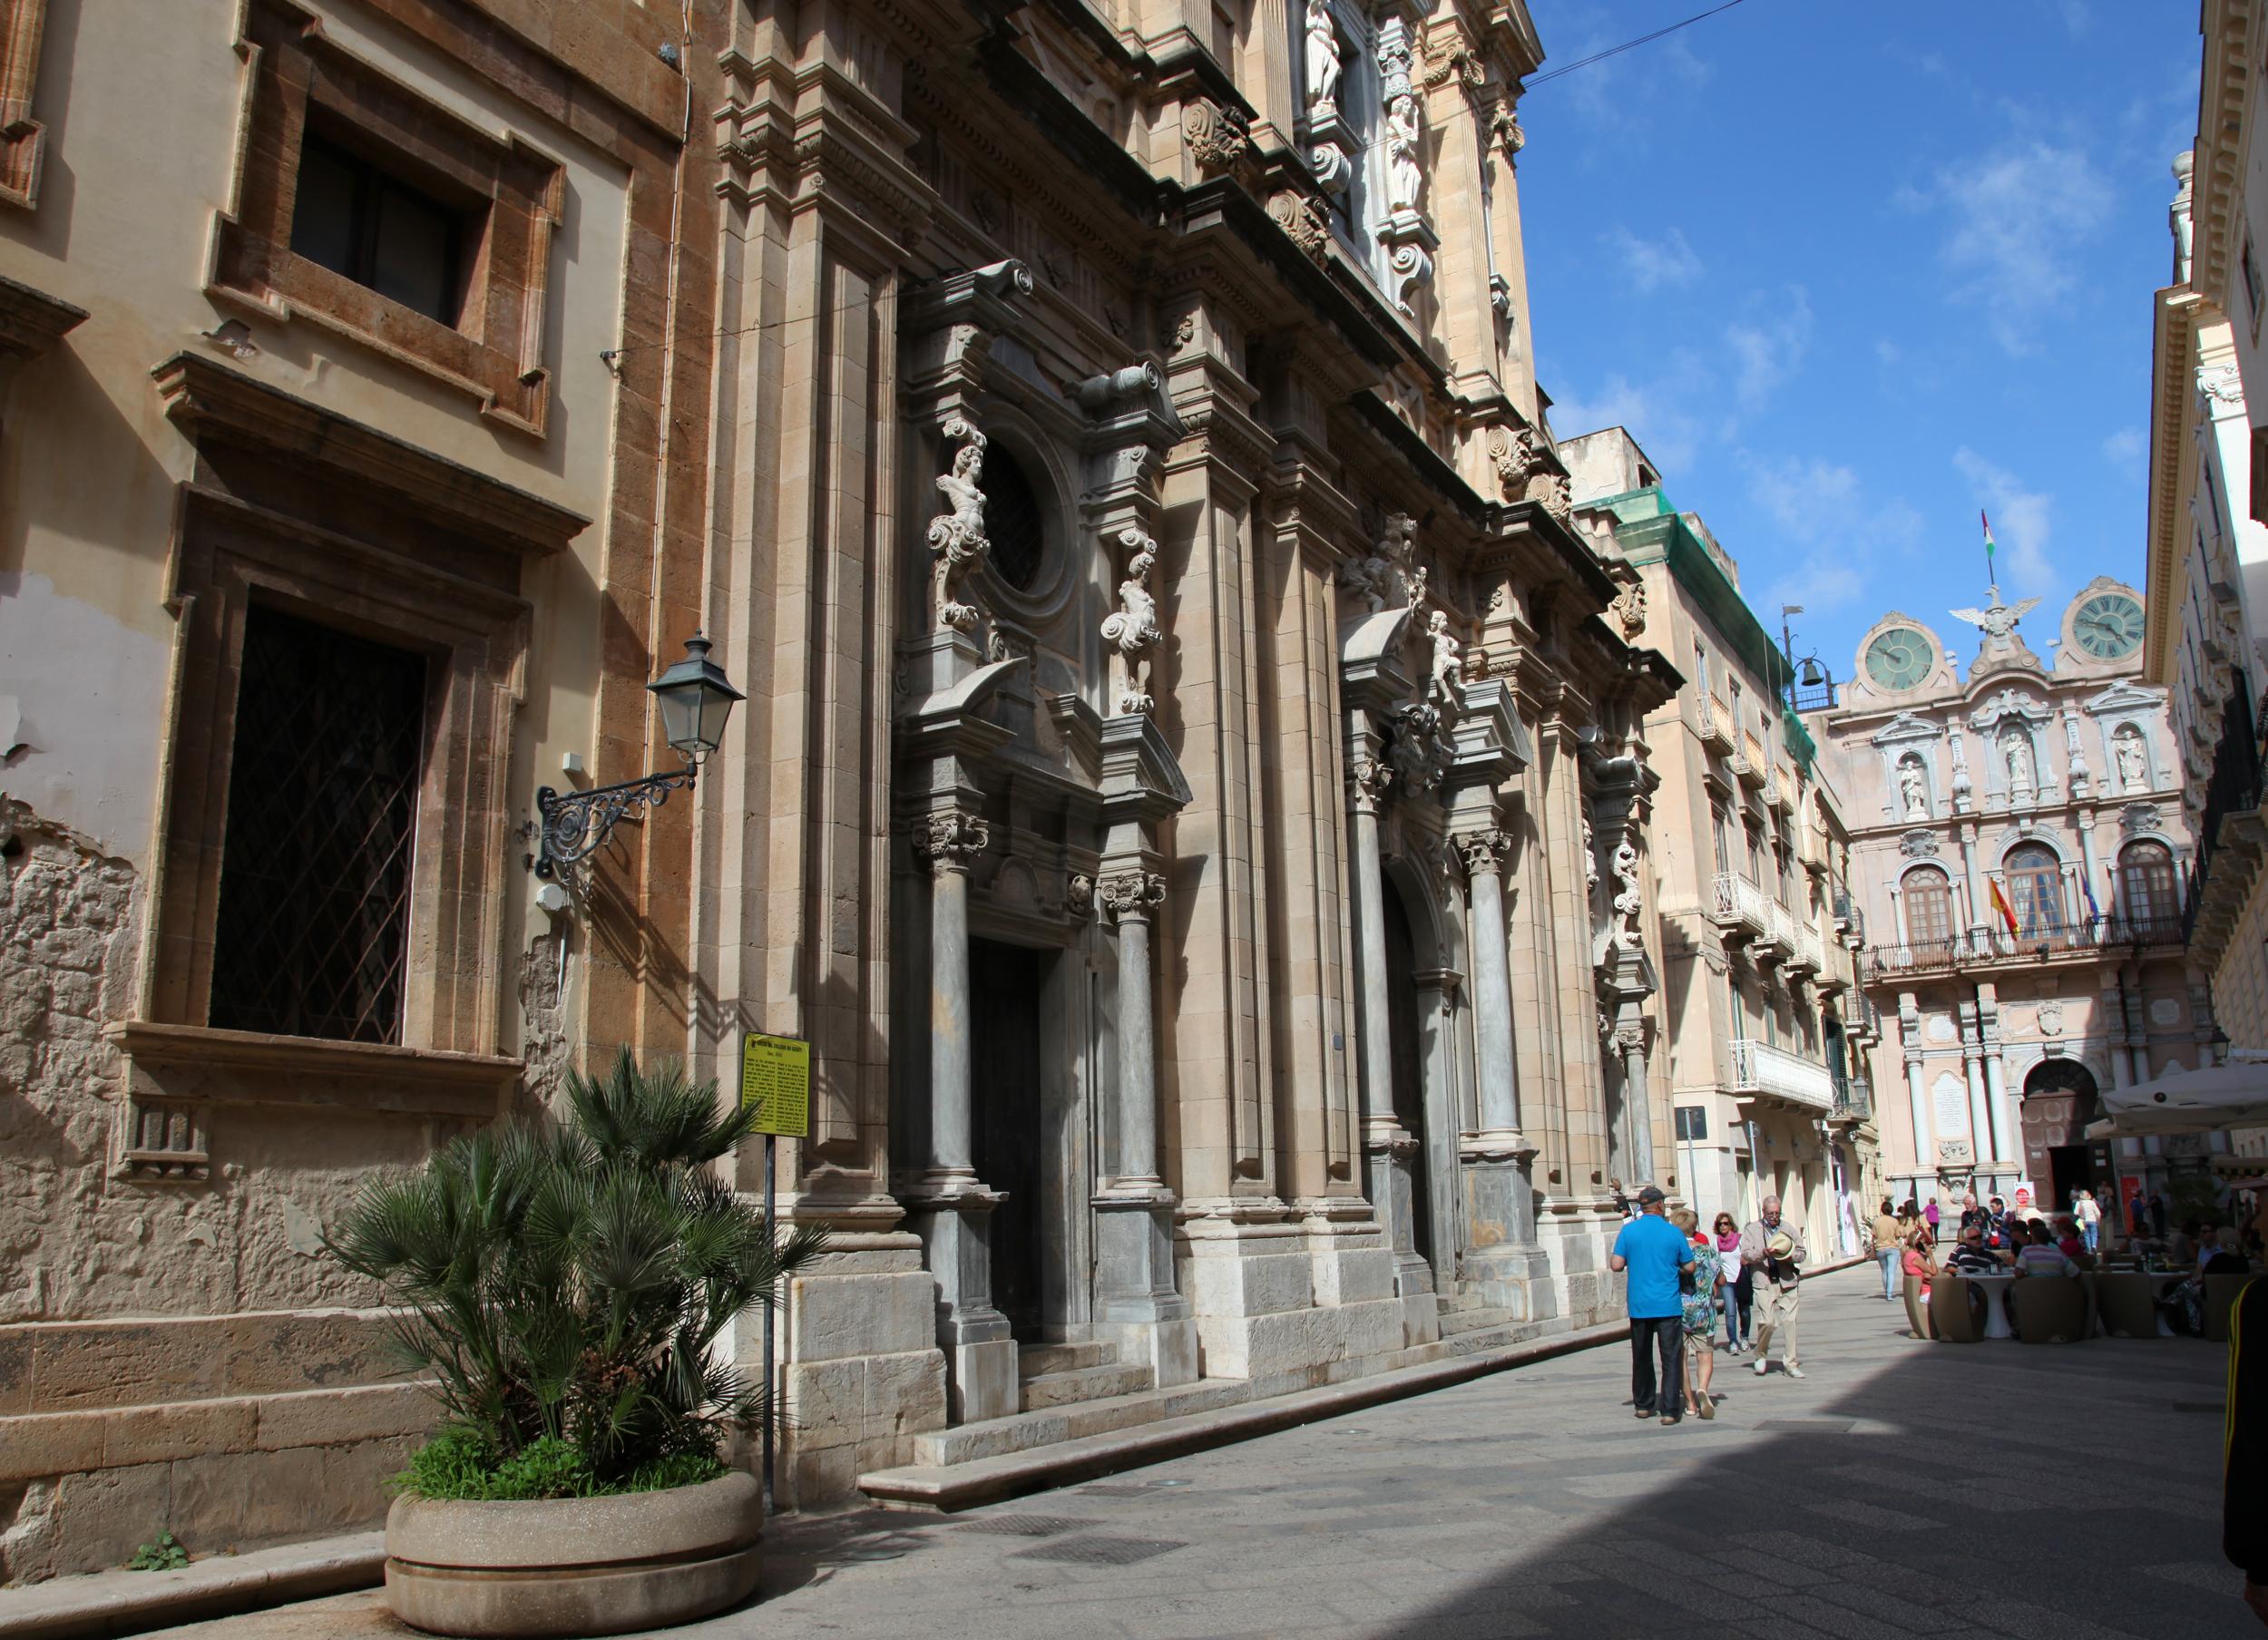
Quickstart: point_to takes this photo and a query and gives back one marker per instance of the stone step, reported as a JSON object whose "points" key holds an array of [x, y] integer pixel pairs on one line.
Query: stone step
{"points": [[1073, 1421], [1454, 1322], [1037, 1361], [1505, 1335], [960, 1468], [1085, 1384]]}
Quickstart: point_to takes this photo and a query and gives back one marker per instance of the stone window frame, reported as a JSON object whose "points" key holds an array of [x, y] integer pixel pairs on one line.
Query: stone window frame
{"points": [[23, 139], [412, 550], [494, 352]]}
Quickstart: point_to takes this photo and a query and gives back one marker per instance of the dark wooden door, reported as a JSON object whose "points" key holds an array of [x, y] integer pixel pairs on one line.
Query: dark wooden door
{"points": [[1409, 1073], [1005, 983]]}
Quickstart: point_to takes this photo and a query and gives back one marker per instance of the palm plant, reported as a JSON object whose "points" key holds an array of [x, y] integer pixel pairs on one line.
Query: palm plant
{"points": [[567, 1281]]}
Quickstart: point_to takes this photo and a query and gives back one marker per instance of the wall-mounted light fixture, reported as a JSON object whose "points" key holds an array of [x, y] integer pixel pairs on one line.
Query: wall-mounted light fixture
{"points": [[696, 698]]}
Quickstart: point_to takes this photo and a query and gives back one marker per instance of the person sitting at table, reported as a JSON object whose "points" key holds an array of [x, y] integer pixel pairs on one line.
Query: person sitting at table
{"points": [[2069, 1239], [2183, 1304], [2037, 1255], [2181, 1246], [2224, 1254], [1970, 1256], [1915, 1260]]}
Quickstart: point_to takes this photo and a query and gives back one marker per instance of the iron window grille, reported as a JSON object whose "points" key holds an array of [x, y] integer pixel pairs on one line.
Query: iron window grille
{"points": [[311, 935]]}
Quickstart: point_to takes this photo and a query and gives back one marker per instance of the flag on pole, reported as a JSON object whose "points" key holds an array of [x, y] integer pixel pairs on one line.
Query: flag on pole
{"points": [[2094, 911], [1990, 547], [2000, 902]]}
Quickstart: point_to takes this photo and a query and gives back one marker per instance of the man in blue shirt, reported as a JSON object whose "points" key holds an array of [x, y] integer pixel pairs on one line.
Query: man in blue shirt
{"points": [[1653, 1250]]}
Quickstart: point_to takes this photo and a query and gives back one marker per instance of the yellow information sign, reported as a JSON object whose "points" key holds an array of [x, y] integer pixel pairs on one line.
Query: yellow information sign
{"points": [[776, 1079]]}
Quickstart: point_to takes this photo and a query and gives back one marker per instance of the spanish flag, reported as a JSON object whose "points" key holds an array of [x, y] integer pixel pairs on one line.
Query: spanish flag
{"points": [[2000, 902]]}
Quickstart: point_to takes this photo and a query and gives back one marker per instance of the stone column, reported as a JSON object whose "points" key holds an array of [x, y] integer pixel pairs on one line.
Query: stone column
{"points": [[1387, 1146], [1978, 932], [1637, 1108], [1137, 1306], [2092, 863], [1484, 854], [2007, 1132], [948, 1206], [1973, 1068]]}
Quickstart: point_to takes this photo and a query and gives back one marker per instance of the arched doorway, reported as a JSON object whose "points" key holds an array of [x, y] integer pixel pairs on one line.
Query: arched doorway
{"points": [[2059, 1101], [1402, 1026]]}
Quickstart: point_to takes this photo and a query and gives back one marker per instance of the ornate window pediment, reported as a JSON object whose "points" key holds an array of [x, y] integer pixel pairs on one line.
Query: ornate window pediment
{"points": [[1908, 726]]}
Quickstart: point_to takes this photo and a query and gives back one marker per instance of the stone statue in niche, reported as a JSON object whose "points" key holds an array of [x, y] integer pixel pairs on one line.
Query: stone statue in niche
{"points": [[1133, 629], [957, 536], [2133, 774], [1629, 905], [1404, 173], [1323, 58], [1448, 685], [2018, 758], [1912, 790]]}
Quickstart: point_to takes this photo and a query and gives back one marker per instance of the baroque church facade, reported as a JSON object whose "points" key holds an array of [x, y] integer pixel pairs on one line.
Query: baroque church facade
{"points": [[2019, 846], [1191, 792]]}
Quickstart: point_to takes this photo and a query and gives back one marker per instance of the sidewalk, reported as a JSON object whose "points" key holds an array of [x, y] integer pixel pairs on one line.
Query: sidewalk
{"points": [[1530, 1504]]}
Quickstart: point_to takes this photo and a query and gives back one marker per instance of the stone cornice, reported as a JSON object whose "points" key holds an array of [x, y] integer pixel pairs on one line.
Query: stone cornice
{"points": [[211, 402], [32, 321]]}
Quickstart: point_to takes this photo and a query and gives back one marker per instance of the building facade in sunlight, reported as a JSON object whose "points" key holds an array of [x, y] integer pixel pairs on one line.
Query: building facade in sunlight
{"points": [[2018, 840], [1193, 790], [1765, 1028], [2208, 579]]}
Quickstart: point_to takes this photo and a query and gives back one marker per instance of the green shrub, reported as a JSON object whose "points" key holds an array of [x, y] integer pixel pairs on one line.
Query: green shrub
{"points": [[165, 1554], [563, 1284]]}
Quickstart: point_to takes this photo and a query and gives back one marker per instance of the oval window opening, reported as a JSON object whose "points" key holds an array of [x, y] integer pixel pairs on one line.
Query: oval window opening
{"points": [[1012, 519]]}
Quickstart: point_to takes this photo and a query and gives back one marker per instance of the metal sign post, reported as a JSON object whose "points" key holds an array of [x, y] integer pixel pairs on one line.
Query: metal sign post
{"points": [[776, 1082]]}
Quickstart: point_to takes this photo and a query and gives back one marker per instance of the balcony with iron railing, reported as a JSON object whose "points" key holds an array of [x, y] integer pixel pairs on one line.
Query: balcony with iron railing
{"points": [[1759, 1071], [1850, 919], [1778, 942], [1750, 766], [2082, 941], [1854, 1100], [2231, 840], [1782, 791], [1810, 955], [1738, 906], [1716, 724]]}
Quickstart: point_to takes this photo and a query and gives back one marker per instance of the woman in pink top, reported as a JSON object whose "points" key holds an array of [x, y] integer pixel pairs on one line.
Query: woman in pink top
{"points": [[1916, 1261], [1739, 1293]]}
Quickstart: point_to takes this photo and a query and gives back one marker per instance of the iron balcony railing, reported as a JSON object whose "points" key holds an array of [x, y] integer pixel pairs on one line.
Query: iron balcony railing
{"points": [[1854, 1101], [2234, 788], [1740, 901], [1986, 947], [1760, 1069]]}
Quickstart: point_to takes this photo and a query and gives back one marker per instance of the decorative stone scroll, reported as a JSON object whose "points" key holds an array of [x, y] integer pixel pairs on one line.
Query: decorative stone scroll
{"points": [[1218, 136], [1629, 903], [957, 535], [1133, 630], [1303, 223]]}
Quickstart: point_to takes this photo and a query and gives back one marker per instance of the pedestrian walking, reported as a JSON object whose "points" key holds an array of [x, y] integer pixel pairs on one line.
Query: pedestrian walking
{"points": [[2157, 1213], [2089, 1213], [1737, 1296], [1655, 1252], [2137, 1212], [1930, 1217], [1706, 1293], [1886, 1237], [1776, 1248]]}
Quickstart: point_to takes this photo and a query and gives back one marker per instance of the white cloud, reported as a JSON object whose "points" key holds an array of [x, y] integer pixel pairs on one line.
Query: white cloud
{"points": [[2123, 448], [2022, 520], [1822, 507], [1651, 264], [1887, 352], [1653, 411], [2015, 218], [1764, 355]]}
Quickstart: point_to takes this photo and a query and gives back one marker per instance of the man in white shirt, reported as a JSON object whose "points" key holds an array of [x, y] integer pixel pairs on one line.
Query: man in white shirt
{"points": [[2089, 1215], [1776, 1248]]}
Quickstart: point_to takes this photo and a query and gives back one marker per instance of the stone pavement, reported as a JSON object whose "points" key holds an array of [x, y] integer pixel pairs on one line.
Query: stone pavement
{"points": [[2065, 1493]]}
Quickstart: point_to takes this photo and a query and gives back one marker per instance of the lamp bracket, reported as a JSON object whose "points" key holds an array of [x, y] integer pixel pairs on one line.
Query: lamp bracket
{"points": [[572, 827]]}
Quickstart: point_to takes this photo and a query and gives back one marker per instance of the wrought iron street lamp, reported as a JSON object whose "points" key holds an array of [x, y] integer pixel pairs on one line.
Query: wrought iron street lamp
{"points": [[696, 697]]}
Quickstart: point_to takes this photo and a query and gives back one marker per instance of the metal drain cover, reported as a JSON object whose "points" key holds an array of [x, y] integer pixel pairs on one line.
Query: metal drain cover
{"points": [[1812, 1426], [1100, 1551], [1023, 1525]]}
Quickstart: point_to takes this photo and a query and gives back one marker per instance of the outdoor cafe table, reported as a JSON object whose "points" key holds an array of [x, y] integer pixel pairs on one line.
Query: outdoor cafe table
{"points": [[1996, 1312]]}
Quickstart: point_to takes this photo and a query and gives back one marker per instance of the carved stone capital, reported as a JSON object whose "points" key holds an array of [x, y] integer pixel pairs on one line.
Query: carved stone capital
{"points": [[1218, 137], [1369, 779], [1482, 851], [1132, 894], [949, 840]]}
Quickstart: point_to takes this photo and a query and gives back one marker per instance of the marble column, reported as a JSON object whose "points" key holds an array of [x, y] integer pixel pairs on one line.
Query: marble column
{"points": [[1137, 1305], [1918, 1106], [1980, 930], [2008, 1145], [1387, 1146], [1972, 1066], [1636, 1108], [2092, 863], [948, 1207], [1484, 854]]}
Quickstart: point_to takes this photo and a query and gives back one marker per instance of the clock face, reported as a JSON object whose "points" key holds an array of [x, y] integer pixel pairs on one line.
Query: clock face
{"points": [[2108, 627], [1899, 659]]}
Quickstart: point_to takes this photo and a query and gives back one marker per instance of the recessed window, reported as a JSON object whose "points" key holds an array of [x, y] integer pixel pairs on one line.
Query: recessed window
{"points": [[1013, 520], [368, 225], [310, 939]]}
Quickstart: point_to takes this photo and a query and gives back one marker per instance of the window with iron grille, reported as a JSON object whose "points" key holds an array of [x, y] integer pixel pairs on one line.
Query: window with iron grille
{"points": [[310, 938]]}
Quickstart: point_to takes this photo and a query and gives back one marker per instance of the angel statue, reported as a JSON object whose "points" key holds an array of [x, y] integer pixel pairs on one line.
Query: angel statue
{"points": [[1629, 903], [1997, 621], [1448, 685], [958, 537], [1402, 168], [1323, 58], [1133, 629]]}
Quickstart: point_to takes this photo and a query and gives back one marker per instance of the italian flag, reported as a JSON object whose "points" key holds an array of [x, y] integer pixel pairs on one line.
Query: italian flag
{"points": [[1991, 546], [2000, 900]]}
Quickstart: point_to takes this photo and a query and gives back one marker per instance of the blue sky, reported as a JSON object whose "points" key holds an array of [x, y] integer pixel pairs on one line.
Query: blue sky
{"points": [[1851, 271]]}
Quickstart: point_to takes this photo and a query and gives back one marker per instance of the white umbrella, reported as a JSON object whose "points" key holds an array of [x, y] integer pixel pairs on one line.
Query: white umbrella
{"points": [[2212, 1100]]}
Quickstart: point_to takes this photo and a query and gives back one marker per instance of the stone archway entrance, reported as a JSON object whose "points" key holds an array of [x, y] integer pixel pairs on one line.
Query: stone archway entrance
{"points": [[2059, 1100]]}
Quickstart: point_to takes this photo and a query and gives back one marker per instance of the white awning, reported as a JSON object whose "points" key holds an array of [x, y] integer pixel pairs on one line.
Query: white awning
{"points": [[2212, 1100]]}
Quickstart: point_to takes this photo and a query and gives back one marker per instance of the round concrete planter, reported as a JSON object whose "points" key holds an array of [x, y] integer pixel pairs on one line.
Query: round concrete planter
{"points": [[574, 1566]]}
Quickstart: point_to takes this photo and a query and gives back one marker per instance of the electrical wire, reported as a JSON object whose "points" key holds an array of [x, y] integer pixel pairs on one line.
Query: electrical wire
{"points": [[1615, 50]]}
